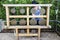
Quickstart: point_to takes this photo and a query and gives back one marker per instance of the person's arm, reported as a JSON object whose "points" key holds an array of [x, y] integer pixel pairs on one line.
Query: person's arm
{"points": [[33, 15]]}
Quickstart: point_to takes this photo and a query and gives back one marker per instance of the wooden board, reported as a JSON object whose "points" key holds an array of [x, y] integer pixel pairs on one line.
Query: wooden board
{"points": [[27, 5], [22, 27]]}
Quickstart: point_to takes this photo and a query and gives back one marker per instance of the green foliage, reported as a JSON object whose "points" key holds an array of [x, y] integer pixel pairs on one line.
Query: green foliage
{"points": [[2, 9]]}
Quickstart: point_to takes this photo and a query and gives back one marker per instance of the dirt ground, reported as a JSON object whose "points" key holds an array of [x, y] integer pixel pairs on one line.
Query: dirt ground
{"points": [[44, 36]]}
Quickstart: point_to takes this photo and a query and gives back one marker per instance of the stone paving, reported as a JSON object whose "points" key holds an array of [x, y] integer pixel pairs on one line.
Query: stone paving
{"points": [[44, 36]]}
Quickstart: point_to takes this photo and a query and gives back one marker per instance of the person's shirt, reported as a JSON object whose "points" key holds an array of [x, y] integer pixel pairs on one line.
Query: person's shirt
{"points": [[37, 13]]}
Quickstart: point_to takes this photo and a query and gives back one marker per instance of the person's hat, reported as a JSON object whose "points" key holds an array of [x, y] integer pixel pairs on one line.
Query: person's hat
{"points": [[34, 2]]}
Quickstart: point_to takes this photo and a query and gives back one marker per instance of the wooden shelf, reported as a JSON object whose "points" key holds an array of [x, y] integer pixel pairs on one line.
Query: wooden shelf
{"points": [[23, 27]]}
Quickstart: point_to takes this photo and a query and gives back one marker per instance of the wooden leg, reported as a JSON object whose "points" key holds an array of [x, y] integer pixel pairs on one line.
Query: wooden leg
{"points": [[27, 30], [17, 38], [17, 34], [38, 33]]}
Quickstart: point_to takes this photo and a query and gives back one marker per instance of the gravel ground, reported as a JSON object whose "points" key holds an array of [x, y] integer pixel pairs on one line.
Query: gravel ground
{"points": [[44, 36]]}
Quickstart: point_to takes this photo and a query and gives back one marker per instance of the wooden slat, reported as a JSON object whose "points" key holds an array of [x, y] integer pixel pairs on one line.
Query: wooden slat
{"points": [[7, 15], [39, 33], [23, 27], [16, 31], [25, 16], [44, 16], [27, 5], [18, 16], [28, 34], [48, 9], [17, 34], [27, 20]]}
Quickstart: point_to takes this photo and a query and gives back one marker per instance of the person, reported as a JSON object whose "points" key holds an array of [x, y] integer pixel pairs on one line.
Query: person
{"points": [[34, 2], [37, 12]]}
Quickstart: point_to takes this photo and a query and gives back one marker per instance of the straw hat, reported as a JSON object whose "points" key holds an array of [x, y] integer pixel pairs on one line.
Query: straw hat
{"points": [[33, 22], [22, 22], [42, 21], [13, 22]]}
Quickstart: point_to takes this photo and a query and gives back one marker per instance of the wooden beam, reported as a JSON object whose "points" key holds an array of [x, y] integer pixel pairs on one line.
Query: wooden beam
{"points": [[12, 5], [48, 9], [44, 16], [18, 16], [7, 15], [25, 16], [23, 27], [27, 20], [28, 34], [17, 35], [39, 33]]}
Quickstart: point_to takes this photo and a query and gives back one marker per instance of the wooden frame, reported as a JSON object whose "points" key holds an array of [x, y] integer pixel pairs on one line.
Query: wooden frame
{"points": [[26, 16], [7, 17]]}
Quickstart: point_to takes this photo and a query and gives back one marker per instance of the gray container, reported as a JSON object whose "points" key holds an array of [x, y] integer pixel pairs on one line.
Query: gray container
{"points": [[1, 25]]}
